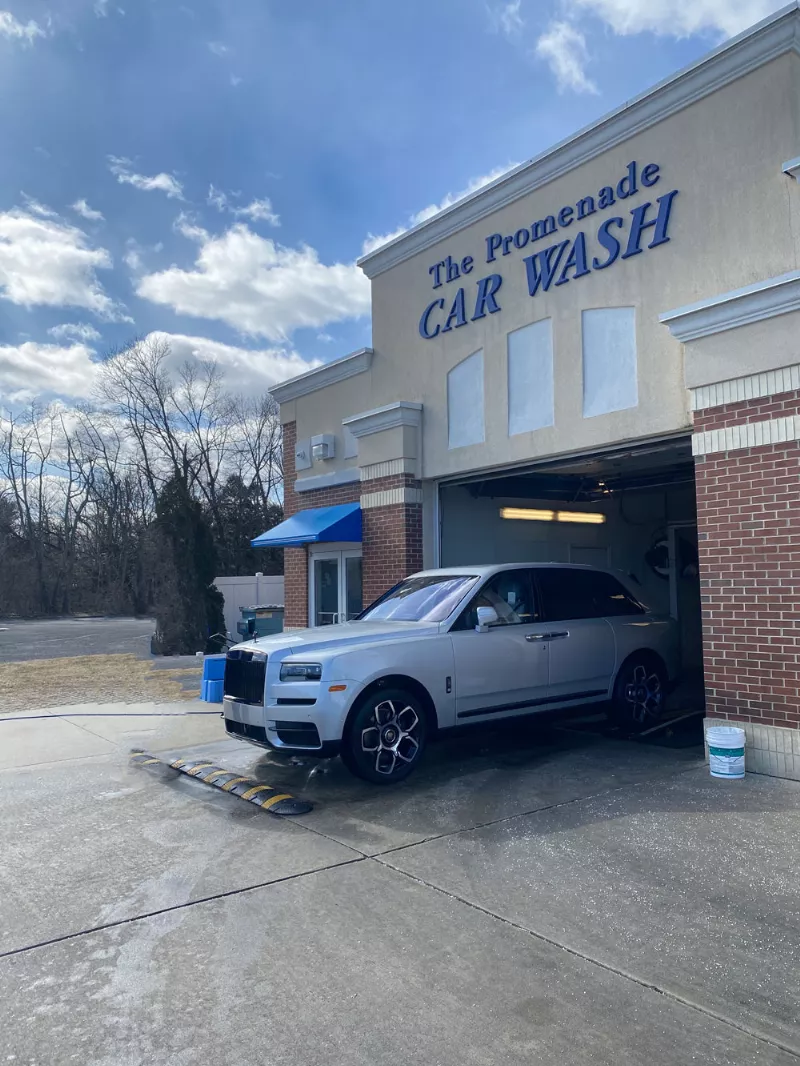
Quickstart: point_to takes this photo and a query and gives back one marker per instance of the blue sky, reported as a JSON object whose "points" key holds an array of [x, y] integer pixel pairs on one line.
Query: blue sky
{"points": [[211, 169]]}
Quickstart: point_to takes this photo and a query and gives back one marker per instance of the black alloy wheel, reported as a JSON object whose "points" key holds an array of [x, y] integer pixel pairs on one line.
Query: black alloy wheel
{"points": [[386, 736], [640, 693]]}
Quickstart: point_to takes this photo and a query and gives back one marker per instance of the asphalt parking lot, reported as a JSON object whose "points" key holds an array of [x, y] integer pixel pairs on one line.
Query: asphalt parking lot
{"points": [[58, 638], [533, 895]]}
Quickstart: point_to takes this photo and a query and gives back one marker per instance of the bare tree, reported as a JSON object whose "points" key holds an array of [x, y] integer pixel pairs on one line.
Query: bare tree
{"points": [[79, 489]]}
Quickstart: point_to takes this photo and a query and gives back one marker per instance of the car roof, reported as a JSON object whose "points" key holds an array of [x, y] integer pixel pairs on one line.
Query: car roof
{"points": [[496, 568]]}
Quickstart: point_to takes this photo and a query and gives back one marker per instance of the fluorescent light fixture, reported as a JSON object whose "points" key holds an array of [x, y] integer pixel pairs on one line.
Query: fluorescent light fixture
{"points": [[527, 514], [531, 514], [588, 518]]}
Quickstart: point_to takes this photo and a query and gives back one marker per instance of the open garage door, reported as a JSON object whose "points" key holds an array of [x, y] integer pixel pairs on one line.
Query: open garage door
{"points": [[631, 510]]}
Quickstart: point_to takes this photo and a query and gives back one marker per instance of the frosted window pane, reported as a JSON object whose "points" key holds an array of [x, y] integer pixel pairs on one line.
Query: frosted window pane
{"points": [[465, 403], [609, 360], [530, 377]]}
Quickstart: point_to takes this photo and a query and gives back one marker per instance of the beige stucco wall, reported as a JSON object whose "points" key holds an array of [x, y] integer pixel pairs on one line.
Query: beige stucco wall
{"points": [[323, 411], [735, 221], [750, 349]]}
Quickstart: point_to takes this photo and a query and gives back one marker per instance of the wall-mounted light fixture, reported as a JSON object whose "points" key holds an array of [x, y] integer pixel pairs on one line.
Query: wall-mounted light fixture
{"points": [[323, 446], [531, 514]]}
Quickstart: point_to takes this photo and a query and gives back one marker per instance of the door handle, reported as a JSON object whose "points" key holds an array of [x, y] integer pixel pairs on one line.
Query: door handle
{"points": [[537, 638]]}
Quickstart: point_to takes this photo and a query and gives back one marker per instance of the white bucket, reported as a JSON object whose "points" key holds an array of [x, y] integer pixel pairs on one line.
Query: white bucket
{"points": [[725, 751]]}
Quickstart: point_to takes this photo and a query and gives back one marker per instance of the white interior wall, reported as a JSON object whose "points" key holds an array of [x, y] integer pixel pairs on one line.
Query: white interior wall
{"points": [[474, 532]]}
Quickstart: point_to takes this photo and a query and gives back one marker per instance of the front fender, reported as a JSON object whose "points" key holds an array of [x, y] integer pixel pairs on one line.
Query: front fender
{"points": [[427, 662]]}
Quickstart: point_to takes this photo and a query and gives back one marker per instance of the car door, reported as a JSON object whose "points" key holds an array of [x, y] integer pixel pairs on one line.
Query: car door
{"points": [[582, 645], [503, 671]]}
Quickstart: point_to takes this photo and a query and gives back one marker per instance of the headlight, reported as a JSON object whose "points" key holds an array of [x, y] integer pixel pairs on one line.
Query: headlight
{"points": [[301, 672]]}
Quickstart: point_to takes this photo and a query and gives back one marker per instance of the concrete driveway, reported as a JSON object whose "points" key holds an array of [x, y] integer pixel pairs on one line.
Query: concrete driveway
{"points": [[535, 896]]}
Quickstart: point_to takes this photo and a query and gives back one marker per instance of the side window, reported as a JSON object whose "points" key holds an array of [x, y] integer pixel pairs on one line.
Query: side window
{"points": [[510, 593], [577, 594], [612, 598], [565, 594]]}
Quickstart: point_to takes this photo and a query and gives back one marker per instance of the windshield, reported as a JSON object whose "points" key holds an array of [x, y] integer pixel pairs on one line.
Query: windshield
{"points": [[421, 599]]}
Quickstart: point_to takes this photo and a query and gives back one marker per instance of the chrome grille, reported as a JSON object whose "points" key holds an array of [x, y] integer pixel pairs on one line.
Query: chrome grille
{"points": [[244, 676]]}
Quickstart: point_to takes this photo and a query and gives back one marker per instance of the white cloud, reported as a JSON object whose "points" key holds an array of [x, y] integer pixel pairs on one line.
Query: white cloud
{"points": [[38, 208], [236, 80], [259, 211], [82, 208], [372, 242], [218, 48], [250, 371], [507, 18], [564, 49], [256, 210], [48, 262], [325, 338], [101, 8], [217, 198], [26, 32], [257, 286], [133, 255], [46, 368], [79, 331], [167, 183], [676, 18]]}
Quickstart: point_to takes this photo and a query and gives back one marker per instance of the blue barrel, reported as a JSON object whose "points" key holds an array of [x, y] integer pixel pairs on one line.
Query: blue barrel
{"points": [[213, 679]]}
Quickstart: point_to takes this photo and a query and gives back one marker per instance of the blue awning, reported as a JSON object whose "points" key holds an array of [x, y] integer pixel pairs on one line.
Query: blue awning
{"points": [[314, 526]]}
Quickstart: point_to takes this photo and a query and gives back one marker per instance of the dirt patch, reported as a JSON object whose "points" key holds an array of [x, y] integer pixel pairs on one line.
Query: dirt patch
{"points": [[93, 679]]}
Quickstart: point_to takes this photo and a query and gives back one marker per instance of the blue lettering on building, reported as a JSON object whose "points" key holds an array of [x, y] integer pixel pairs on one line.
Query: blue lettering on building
{"points": [[645, 226]]}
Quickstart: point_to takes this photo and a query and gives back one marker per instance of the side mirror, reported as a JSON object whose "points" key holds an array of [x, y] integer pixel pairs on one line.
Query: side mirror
{"points": [[251, 627], [487, 616]]}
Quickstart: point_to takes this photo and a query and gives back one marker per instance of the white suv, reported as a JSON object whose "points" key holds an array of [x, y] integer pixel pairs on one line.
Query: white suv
{"points": [[447, 648]]}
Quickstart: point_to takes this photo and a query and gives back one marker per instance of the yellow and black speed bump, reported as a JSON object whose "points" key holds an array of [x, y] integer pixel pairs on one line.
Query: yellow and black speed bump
{"points": [[274, 800]]}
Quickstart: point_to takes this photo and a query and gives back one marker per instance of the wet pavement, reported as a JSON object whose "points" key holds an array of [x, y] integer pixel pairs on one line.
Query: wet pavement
{"points": [[529, 895]]}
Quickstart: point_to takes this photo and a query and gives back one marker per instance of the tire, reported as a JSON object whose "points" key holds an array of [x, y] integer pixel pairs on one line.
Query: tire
{"points": [[385, 738], [639, 693]]}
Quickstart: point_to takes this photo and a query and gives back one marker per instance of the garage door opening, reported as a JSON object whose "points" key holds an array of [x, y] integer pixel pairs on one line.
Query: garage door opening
{"points": [[633, 511]]}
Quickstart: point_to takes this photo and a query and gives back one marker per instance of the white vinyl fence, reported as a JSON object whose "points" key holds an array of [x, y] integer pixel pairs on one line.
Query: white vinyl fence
{"points": [[248, 592]]}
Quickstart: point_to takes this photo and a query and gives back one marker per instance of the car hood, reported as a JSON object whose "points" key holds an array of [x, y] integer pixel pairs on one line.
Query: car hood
{"points": [[346, 635]]}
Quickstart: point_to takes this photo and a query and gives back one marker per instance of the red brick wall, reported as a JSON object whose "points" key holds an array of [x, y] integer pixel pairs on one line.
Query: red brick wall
{"points": [[392, 546], [392, 538], [748, 511]]}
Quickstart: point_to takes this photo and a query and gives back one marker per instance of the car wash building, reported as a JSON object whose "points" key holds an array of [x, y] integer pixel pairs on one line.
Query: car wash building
{"points": [[595, 359]]}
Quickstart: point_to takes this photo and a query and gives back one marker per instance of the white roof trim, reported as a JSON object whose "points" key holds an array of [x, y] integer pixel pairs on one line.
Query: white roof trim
{"points": [[327, 481], [792, 168], [765, 299], [401, 413], [322, 376], [775, 35]]}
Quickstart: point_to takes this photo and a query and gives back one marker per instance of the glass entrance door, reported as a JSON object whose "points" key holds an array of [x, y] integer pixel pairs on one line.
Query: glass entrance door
{"points": [[336, 594]]}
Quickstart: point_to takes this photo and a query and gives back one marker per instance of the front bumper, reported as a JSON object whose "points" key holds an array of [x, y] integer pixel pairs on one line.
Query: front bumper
{"points": [[282, 727]]}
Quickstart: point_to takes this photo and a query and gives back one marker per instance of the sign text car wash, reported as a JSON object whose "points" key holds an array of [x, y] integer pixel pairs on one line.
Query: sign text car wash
{"points": [[561, 262]]}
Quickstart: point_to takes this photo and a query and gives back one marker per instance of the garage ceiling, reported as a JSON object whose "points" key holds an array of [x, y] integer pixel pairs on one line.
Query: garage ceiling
{"points": [[590, 477]]}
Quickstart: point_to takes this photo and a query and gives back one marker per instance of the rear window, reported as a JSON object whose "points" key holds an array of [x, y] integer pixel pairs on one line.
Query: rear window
{"points": [[421, 599], [583, 594]]}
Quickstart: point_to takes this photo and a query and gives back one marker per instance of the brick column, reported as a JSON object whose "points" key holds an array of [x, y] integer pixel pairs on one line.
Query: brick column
{"points": [[392, 514], [747, 455], [295, 560]]}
